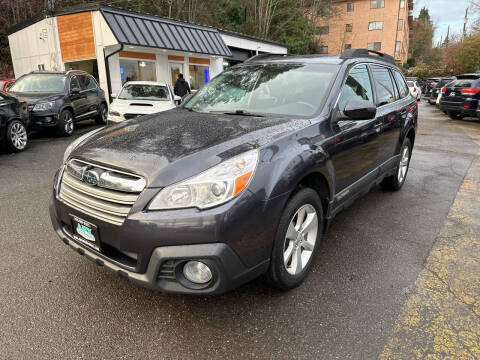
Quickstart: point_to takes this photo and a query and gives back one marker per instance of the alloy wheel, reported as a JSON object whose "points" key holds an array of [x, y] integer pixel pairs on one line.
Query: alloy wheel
{"points": [[68, 122], [403, 166], [300, 239], [18, 135], [104, 113]]}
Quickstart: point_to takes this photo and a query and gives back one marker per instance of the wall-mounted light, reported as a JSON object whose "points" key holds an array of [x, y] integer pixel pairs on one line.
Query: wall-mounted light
{"points": [[142, 64]]}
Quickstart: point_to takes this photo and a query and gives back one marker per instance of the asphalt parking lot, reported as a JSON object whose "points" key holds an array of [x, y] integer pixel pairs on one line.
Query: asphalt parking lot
{"points": [[57, 305]]}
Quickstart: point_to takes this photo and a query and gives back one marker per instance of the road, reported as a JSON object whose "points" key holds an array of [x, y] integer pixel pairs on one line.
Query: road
{"points": [[56, 304]]}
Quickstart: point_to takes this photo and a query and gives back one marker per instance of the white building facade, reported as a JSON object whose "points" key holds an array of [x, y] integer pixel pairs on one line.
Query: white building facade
{"points": [[116, 46]]}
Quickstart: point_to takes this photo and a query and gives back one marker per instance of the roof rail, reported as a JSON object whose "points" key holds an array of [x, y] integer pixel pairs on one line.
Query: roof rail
{"points": [[263, 56], [356, 53]]}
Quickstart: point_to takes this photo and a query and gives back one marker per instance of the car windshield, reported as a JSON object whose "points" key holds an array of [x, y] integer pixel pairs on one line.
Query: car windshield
{"points": [[410, 83], [144, 92], [39, 83], [283, 89]]}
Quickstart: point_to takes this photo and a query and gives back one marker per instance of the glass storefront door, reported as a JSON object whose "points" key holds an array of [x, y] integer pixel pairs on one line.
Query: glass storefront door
{"points": [[175, 69]]}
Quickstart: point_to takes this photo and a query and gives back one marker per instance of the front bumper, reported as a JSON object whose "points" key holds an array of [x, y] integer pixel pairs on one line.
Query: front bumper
{"points": [[42, 120], [164, 270]]}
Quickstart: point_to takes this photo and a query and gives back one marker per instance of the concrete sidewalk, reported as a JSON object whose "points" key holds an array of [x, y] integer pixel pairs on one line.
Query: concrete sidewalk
{"points": [[441, 319]]}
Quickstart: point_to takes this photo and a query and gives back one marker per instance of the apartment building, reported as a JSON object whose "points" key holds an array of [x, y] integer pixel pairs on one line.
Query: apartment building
{"points": [[381, 25]]}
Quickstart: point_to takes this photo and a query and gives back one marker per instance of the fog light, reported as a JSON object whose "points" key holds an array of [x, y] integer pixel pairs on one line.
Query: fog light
{"points": [[48, 119], [197, 272]]}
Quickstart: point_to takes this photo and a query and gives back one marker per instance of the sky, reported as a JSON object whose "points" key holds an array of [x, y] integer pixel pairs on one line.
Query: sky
{"points": [[444, 13]]}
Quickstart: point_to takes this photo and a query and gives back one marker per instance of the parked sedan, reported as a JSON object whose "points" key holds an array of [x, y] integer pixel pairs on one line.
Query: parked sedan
{"points": [[13, 122], [139, 98], [461, 97], [415, 89]]}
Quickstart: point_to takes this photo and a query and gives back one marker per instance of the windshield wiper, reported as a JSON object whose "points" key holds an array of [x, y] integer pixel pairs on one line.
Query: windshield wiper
{"points": [[236, 112]]}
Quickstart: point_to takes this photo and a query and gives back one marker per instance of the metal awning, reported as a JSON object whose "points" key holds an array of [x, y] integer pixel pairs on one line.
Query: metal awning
{"points": [[132, 28]]}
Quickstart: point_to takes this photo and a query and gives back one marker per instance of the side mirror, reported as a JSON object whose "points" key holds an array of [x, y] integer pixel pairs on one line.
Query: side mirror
{"points": [[113, 95], [177, 98], [360, 110], [75, 91]]}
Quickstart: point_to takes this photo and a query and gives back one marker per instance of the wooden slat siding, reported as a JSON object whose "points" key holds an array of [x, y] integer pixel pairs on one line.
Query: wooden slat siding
{"points": [[75, 33], [195, 60], [176, 58], [137, 55]]}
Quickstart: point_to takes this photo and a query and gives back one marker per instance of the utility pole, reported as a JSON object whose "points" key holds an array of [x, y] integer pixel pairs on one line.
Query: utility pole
{"points": [[447, 38], [465, 23]]}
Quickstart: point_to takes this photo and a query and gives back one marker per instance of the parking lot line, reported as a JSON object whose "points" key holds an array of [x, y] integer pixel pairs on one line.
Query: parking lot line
{"points": [[441, 319]]}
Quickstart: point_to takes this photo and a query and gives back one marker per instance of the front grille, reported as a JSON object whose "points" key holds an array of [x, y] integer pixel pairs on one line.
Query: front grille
{"points": [[105, 204]]}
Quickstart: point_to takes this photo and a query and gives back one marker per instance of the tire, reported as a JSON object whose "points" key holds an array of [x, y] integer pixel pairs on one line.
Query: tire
{"points": [[16, 136], [101, 118], [286, 275], [455, 116], [65, 123], [395, 182]]}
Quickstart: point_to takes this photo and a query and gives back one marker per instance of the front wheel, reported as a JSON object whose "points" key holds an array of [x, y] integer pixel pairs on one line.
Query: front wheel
{"points": [[395, 182], [298, 235], [65, 123], [17, 137]]}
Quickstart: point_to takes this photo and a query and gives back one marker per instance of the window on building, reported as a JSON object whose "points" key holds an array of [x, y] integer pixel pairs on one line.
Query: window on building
{"points": [[402, 4], [348, 46], [350, 7], [349, 27], [199, 75], [377, 4], [398, 46], [402, 86], [375, 46], [400, 25], [323, 49], [375, 25], [137, 70], [357, 87], [383, 85], [322, 30]]}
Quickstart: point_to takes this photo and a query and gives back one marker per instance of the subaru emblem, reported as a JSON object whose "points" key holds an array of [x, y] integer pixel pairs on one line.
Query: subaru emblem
{"points": [[90, 177]]}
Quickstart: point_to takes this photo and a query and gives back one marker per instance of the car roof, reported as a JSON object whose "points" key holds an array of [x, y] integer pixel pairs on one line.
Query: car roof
{"points": [[145, 83], [348, 56]]}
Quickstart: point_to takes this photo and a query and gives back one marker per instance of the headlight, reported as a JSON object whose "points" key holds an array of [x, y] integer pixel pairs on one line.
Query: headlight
{"points": [[114, 113], [44, 106], [77, 142], [210, 188]]}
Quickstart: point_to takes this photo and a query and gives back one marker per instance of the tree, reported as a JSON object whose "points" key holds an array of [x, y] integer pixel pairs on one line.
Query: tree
{"points": [[421, 41]]}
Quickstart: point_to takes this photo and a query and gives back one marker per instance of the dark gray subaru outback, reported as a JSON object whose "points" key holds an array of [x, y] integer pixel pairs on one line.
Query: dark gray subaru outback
{"points": [[243, 179]]}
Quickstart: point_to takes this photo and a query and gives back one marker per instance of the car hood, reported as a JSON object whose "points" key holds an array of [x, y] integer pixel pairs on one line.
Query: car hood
{"points": [[140, 106], [171, 146], [33, 98]]}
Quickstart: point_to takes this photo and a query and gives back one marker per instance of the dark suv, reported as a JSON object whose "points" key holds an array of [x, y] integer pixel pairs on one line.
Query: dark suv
{"points": [[460, 98], [243, 179], [58, 100], [13, 122]]}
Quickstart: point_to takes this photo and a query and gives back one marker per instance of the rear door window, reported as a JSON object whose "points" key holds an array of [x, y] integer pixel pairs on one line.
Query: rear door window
{"points": [[383, 85], [402, 87], [88, 82]]}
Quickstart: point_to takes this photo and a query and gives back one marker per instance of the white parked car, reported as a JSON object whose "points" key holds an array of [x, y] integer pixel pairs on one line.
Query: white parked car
{"points": [[139, 98], [415, 89]]}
